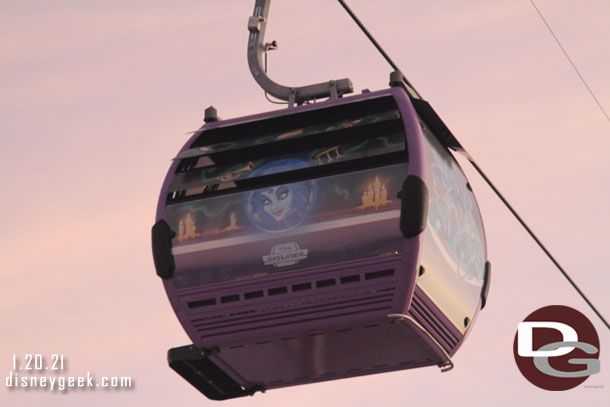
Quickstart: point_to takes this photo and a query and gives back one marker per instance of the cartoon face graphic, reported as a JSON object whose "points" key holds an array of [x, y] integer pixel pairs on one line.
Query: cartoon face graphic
{"points": [[281, 207], [276, 201]]}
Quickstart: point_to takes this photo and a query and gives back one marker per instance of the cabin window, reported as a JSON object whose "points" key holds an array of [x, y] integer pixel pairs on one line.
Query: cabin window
{"points": [[301, 146]]}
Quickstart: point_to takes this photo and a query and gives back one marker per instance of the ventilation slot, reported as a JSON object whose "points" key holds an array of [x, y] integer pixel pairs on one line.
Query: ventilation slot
{"points": [[329, 282], [229, 298], [378, 274], [202, 303], [301, 287], [253, 294], [325, 283], [350, 279], [278, 290]]}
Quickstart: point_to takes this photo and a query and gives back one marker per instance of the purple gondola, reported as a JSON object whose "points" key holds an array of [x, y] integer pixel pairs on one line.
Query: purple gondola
{"points": [[319, 242]]}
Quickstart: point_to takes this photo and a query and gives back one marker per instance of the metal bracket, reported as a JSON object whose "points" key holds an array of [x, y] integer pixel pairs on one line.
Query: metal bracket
{"points": [[397, 79], [256, 47], [400, 318]]}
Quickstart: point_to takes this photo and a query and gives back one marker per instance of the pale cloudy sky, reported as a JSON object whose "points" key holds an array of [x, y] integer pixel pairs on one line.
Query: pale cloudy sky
{"points": [[96, 98]]}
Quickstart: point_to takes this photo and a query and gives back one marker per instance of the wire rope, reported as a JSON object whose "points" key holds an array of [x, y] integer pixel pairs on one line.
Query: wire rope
{"points": [[582, 79]]}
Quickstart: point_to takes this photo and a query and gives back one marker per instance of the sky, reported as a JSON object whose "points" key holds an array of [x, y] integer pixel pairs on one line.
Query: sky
{"points": [[97, 97]]}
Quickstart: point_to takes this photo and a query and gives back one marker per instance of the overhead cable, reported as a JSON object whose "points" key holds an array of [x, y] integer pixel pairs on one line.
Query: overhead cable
{"points": [[482, 174]]}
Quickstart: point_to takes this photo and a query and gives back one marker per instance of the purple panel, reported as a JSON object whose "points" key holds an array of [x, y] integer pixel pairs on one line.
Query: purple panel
{"points": [[301, 299], [372, 346]]}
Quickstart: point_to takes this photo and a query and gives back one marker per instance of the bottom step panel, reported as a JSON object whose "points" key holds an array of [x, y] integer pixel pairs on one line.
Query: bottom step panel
{"points": [[194, 366], [240, 369]]}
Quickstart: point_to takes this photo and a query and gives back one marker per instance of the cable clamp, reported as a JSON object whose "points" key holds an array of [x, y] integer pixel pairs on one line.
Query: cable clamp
{"points": [[255, 23]]}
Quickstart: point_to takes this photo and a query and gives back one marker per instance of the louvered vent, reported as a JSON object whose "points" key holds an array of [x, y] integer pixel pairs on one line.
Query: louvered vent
{"points": [[422, 312], [328, 294]]}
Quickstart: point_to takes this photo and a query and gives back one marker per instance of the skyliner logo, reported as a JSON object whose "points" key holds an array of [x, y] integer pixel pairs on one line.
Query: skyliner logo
{"points": [[285, 254]]}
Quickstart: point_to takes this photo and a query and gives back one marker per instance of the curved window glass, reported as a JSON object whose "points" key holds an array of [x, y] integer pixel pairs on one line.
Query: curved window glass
{"points": [[454, 251]]}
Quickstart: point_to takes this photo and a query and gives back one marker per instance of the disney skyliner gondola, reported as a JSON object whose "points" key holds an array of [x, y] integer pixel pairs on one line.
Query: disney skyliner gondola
{"points": [[322, 241]]}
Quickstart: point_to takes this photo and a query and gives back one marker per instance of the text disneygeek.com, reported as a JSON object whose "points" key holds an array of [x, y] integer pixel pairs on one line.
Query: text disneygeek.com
{"points": [[27, 373]]}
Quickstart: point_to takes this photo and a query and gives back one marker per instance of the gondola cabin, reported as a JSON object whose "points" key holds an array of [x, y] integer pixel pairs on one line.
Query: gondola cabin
{"points": [[318, 242]]}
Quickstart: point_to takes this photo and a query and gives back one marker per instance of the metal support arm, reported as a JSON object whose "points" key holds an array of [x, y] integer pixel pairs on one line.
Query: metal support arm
{"points": [[256, 47]]}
